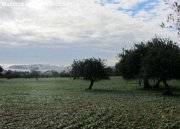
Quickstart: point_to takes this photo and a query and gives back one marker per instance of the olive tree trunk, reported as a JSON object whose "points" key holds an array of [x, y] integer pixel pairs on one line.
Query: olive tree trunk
{"points": [[139, 81], [146, 83], [91, 84], [168, 90], [157, 85]]}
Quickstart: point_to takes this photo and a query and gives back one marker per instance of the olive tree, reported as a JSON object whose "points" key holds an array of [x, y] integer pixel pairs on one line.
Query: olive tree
{"points": [[162, 61], [130, 62], [35, 73], [158, 59], [90, 69]]}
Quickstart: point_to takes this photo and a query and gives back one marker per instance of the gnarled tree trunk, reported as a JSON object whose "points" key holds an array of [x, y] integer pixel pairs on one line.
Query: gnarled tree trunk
{"points": [[91, 84], [157, 85], [168, 90], [146, 83], [139, 81]]}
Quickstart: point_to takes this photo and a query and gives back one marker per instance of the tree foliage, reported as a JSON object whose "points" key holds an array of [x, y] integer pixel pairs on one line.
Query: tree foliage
{"points": [[158, 59], [35, 73], [173, 18], [162, 59], [90, 69], [77, 69]]}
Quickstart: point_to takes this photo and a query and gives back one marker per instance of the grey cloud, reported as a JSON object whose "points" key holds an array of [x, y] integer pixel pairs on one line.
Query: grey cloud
{"points": [[93, 26]]}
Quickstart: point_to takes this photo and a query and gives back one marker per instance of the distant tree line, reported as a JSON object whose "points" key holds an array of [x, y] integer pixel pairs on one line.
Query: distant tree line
{"points": [[35, 73], [9, 74]]}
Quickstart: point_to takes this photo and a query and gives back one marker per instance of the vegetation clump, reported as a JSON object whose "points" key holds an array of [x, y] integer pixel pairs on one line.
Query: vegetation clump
{"points": [[157, 59], [90, 69]]}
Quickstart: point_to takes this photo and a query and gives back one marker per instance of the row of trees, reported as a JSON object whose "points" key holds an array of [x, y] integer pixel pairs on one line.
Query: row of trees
{"points": [[158, 59], [32, 74]]}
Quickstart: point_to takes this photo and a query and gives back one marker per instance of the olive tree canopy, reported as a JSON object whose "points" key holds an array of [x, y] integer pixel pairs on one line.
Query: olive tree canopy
{"points": [[90, 69], [158, 59]]}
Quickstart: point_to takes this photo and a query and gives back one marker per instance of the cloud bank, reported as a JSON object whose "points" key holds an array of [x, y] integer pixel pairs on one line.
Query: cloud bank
{"points": [[100, 25]]}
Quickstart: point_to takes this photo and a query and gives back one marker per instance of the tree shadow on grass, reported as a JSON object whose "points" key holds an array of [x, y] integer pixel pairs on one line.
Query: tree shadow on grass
{"points": [[160, 91], [111, 91], [176, 91]]}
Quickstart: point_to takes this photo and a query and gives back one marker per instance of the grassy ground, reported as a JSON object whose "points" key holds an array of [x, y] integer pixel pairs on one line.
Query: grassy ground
{"points": [[64, 103]]}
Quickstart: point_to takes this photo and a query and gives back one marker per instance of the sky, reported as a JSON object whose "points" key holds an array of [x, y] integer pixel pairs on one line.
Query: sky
{"points": [[58, 31]]}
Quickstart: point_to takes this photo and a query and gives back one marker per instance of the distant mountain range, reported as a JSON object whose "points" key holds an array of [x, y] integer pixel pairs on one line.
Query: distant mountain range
{"points": [[39, 67]]}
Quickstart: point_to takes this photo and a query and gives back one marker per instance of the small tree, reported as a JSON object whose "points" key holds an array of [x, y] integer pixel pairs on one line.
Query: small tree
{"points": [[9, 74], [35, 73], [90, 69]]}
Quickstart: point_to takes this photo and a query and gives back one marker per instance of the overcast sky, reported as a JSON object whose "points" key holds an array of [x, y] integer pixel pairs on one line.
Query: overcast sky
{"points": [[58, 31]]}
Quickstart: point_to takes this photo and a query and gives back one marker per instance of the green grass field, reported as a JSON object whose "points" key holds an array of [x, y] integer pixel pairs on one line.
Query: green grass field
{"points": [[64, 103]]}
